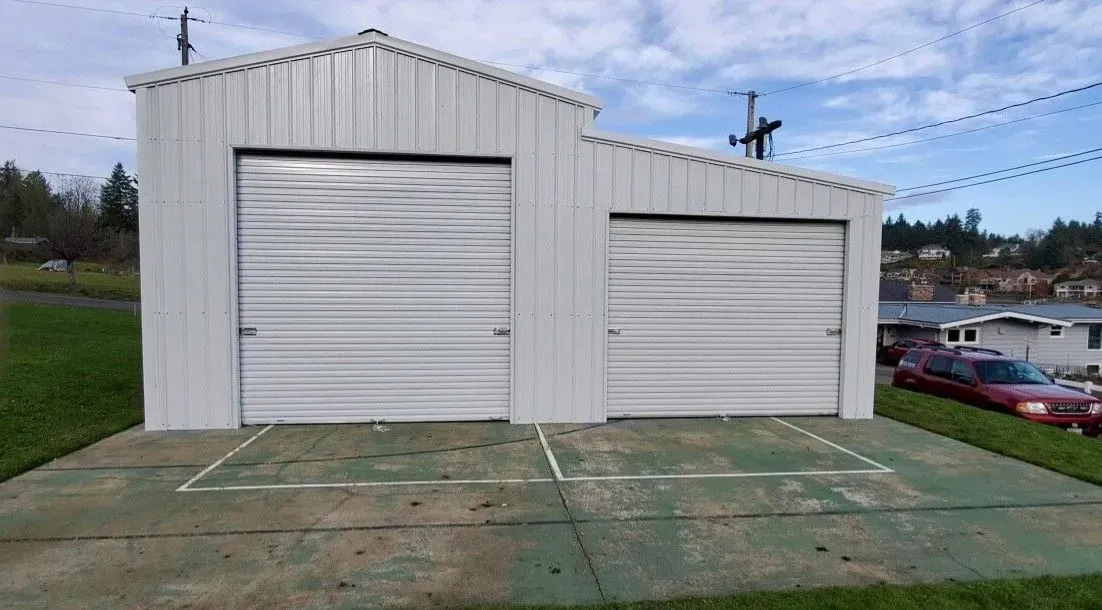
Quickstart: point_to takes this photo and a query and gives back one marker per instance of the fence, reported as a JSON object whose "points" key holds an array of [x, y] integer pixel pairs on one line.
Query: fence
{"points": [[1070, 371]]}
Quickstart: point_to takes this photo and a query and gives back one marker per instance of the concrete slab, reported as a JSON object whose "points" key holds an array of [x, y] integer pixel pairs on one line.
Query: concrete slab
{"points": [[106, 526]]}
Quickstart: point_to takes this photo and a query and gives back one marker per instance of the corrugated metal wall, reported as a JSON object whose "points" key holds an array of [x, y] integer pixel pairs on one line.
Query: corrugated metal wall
{"points": [[395, 99]]}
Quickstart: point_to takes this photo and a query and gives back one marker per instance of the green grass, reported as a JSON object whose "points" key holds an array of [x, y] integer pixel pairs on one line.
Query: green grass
{"points": [[91, 282], [1046, 446], [68, 377], [1035, 594]]}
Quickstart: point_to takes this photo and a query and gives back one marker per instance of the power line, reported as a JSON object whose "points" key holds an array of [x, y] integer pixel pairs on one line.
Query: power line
{"points": [[92, 8], [948, 135], [615, 78], [63, 84], [285, 33], [1060, 158], [898, 55], [252, 27], [68, 133], [964, 186], [42, 171], [939, 124]]}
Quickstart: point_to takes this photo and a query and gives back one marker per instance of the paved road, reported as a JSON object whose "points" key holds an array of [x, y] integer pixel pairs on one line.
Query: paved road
{"points": [[884, 374], [46, 298]]}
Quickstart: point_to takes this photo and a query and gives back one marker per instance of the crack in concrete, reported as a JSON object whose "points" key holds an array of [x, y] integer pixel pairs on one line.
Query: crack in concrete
{"points": [[531, 522]]}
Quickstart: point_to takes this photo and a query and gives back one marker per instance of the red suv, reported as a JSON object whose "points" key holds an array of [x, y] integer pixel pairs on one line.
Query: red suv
{"points": [[982, 378], [890, 354]]}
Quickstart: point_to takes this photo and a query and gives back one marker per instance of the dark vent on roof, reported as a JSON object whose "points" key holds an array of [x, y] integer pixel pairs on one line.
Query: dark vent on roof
{"points": [[370, 30]]}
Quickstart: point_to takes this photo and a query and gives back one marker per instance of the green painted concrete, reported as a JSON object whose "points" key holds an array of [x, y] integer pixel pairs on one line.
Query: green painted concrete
{"points": [[105, 526]]}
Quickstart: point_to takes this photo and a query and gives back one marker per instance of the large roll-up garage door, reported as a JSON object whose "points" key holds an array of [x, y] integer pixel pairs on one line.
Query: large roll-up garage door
{"points": [[371, 289], [723, 317]]}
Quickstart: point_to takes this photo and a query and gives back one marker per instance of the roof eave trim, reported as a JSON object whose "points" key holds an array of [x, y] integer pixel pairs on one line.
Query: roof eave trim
{"points": [[754, 164], [1004, 315], [905, 322], [353, 42]]}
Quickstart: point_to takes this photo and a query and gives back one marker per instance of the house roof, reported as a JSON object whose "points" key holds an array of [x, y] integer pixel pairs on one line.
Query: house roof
{"points": [[945, 315], [367, 39], [891, 290]]}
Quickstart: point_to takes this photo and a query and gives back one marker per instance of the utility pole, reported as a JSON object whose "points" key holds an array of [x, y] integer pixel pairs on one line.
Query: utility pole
{"points": [[756, 137], [182, 41], [751, 99]]}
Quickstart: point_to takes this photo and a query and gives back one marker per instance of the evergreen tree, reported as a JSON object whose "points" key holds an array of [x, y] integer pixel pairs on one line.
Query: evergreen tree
{"points": [[118, 201], [12, 210], [38, 201]]}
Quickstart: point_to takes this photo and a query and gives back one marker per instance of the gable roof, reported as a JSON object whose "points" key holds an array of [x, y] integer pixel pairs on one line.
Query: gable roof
{"points": [[942, 315], [369, 38]]}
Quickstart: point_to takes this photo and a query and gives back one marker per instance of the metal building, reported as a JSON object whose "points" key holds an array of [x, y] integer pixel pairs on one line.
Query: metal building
{"points": [[367, 229]]}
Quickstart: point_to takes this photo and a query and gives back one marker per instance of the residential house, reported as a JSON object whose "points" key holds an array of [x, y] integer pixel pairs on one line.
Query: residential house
{"points": [[1024, 281], [1053, 336], [934, 252], [888, 257], [1005, 249], [1078, 289]]}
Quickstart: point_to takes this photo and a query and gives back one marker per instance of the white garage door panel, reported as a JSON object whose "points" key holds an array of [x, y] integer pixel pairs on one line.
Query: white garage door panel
{"points": [[374, 287], [723, 317]]}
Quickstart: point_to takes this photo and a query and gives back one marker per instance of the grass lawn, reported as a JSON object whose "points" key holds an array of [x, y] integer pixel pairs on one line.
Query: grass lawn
{"points": [[68, 377], [1046, 446], [1034, 593], [90, 282]]}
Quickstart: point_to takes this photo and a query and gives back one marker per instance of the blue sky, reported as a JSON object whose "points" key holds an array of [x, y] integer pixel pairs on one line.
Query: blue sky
{"points": [[739, 45]]}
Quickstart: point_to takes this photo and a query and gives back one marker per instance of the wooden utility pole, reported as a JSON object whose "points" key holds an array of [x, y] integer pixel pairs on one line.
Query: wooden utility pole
{"points": [[182, 42], [751, 99]]}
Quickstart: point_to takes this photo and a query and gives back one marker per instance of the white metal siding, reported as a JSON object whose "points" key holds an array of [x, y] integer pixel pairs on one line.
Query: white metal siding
{"points": [[724, 317], [374, 287], [386, 95]]}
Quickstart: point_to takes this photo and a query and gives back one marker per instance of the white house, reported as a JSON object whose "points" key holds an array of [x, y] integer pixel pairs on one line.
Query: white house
{"points": [[934, 252], [1005, 249], [368, 229], [1078, 289], [1057, 336]]}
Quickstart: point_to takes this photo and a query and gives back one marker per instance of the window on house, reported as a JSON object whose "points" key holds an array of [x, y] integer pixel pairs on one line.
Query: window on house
{"points": [[962, 335], [1055, 331], [1094, 336]]}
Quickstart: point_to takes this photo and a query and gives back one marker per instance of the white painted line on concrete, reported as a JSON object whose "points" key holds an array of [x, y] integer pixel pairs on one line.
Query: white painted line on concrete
{"points": [[367, 484], [550, 456], [724, 475], [206, 470], [835, 445]]}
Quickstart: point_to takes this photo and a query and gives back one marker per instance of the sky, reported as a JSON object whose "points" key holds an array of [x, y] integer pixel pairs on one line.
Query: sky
{"points": [[705, 47]]}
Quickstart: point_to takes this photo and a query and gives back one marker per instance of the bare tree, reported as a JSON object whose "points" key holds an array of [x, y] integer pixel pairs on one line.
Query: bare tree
{"points": [[71, 225]]}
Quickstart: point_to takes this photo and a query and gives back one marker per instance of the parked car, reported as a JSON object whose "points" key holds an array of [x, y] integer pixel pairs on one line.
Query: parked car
{"points": [[54, 265], [985, 378], [890, 354]]}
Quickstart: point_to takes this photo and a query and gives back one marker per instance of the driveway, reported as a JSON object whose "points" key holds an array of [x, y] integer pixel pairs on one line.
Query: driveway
{"points": [[884, 374], [420, 515], [47, 298]]}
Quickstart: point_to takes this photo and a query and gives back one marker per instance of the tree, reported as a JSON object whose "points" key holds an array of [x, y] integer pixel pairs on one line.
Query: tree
{"points": [[72, 230], [972, 220], [12, 210], [38, 201], [118, 201]]}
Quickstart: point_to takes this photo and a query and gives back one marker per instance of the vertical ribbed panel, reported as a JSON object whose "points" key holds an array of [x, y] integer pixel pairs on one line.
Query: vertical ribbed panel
{"points": [[724, 317], [396, 99], [374, 287]]}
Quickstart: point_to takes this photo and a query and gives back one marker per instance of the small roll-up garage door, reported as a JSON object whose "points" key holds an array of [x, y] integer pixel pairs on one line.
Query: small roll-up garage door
{"points": [[723, 317], [370, 289]]}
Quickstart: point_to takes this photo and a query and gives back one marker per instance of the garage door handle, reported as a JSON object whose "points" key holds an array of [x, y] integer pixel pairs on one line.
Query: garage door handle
{"points": [[247, 331], [615, 331], [501, 331]]}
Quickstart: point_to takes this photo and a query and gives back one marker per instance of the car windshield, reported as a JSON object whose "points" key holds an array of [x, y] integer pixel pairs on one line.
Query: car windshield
{"points": [[1010, 372]]}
